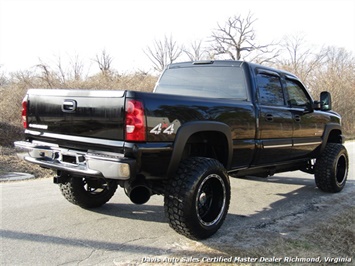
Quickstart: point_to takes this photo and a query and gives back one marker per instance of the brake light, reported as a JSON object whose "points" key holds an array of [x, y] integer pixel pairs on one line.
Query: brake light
{"points": [[135, 121], [24, 112]]}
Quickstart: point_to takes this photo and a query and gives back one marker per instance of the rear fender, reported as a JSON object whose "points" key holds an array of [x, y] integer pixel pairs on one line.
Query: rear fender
{"points": [[190, 128]]}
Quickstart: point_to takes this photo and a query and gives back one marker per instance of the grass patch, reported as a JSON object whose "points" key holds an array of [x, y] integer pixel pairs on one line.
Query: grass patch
{"points": [[10, 162], [337, 235], [322, 234]]}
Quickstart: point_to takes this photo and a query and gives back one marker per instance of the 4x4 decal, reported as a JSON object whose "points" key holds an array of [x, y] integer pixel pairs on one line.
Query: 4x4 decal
{"points": [[163, 127]]}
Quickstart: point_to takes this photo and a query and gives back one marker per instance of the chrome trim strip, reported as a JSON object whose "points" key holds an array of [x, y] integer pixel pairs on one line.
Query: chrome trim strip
{"points": [[106, 142], [291, 145], [276, 146], [307, 143]]}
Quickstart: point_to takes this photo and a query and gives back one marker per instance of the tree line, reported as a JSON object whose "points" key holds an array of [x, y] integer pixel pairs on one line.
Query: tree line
{"points": [[321, 69]]}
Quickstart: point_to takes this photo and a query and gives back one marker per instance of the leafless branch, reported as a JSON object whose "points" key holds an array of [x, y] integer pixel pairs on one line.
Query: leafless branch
{"points": [[46, 73], [163, 52], [104, 61], [195, 52], [237, 38]]}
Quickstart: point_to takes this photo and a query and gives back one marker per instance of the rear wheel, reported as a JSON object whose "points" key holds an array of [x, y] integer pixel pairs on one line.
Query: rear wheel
{"points": [[331, 168], [88, 193], [197, 198]]}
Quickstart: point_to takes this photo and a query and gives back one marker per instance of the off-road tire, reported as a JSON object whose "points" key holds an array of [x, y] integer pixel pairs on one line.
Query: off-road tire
{"points": [[331, 168], [197, 198], [88, 193]]}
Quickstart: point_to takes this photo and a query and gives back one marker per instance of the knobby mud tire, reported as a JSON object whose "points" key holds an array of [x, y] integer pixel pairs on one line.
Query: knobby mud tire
{"points": [[197, 198], [88, 193], [331, 168]]}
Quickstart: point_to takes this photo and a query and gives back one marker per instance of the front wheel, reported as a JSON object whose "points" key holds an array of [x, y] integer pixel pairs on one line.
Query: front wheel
{"points": [[331, 168], [197, 198], [88, 193]]}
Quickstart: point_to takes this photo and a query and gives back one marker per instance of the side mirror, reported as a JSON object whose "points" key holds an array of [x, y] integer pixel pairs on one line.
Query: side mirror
{"points": [[325, 101]]}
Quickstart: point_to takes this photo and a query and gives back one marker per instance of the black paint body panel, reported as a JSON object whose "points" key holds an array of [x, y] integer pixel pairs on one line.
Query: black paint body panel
{"points": [[255, 136]]}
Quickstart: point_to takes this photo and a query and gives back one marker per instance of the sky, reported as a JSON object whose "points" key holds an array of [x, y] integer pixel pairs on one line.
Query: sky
{"points": [[46, 30]]}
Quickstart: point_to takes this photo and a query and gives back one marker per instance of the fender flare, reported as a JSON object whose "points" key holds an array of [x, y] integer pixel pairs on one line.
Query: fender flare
{"points": [[327, 130], [190, 128]]}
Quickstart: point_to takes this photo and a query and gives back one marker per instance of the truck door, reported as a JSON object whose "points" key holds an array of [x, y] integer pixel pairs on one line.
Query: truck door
{"points": [[308, 124], [275, 120]]}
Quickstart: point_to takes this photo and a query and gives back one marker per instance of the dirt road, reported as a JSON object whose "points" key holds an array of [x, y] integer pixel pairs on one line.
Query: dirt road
{"points": [[267, 217]]}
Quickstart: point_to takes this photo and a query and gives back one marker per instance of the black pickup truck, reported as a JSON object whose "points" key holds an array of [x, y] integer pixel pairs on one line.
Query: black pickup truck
{"points": [[204, 122]]}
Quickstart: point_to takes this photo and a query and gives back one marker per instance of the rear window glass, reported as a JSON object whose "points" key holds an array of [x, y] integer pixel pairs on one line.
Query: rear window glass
{"points": [[204, 81]]}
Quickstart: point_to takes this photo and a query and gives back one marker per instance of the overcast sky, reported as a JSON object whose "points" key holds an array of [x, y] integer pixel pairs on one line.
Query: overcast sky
{"points": [[49, 29]]}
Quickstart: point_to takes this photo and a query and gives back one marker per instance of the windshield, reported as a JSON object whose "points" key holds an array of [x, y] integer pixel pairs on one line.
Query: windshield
{"points": [[204, 81]]}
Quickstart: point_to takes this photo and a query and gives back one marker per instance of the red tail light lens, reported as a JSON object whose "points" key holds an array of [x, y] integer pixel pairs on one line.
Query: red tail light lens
{"points": [[24, 113], [135, 121]]}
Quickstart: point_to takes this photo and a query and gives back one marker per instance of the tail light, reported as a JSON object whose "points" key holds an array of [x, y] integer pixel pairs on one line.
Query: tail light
{"points": [[24, 112], [135, 121]]}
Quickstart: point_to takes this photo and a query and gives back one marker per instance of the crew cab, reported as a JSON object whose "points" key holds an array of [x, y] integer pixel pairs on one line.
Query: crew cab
{"points": [[205, 122]]}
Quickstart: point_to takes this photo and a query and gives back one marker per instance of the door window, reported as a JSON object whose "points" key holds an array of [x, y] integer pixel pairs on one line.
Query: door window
{"points": [[296, 95], [269, 90]]}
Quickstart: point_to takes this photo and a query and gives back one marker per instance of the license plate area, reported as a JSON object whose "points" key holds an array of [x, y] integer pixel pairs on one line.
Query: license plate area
{"points": [[69, 159]]}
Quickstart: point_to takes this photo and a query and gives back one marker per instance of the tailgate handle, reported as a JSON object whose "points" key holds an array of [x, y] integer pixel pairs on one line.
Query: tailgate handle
{"points": [[269, 117], [69, 106]]}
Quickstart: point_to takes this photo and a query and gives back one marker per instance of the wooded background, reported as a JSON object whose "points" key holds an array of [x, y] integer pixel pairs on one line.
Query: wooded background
{"points": [[320, 69]]}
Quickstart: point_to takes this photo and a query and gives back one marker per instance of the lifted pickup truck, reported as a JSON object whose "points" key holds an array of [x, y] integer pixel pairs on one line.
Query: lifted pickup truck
{"points": [[204, 122]]}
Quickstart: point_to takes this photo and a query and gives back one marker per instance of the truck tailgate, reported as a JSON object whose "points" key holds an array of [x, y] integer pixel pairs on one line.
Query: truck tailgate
{"points": [[83, 113]]}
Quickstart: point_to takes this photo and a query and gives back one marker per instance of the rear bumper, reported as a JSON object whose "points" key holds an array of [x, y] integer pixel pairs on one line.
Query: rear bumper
{"points": [[92, 163]]}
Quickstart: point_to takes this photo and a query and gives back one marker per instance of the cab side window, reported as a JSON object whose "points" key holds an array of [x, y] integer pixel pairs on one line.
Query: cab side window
{"points": [[296, 95], [270, 90]]}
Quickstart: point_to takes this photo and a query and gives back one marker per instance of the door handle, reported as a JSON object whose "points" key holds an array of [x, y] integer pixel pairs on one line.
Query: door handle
{"points": [[297, 118], [269, 117], [69, 106]]}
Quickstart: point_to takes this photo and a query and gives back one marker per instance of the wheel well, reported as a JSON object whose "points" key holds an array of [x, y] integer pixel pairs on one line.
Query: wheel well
{"points": [[211, 144], [334, 136]]}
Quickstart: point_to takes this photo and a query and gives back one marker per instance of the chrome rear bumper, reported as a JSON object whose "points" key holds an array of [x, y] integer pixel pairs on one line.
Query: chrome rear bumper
{"points": [[91, 163]]}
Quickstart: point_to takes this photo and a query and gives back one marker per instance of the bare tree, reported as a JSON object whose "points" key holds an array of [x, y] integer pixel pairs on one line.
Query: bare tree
{"points": [[47, 74], [327, 69], [337, 75], [196, 52], [104, 61], [77, 67], [299, 58], [237, 39], [25, 77], [62, 76], [163, 52], [3, 78]]}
